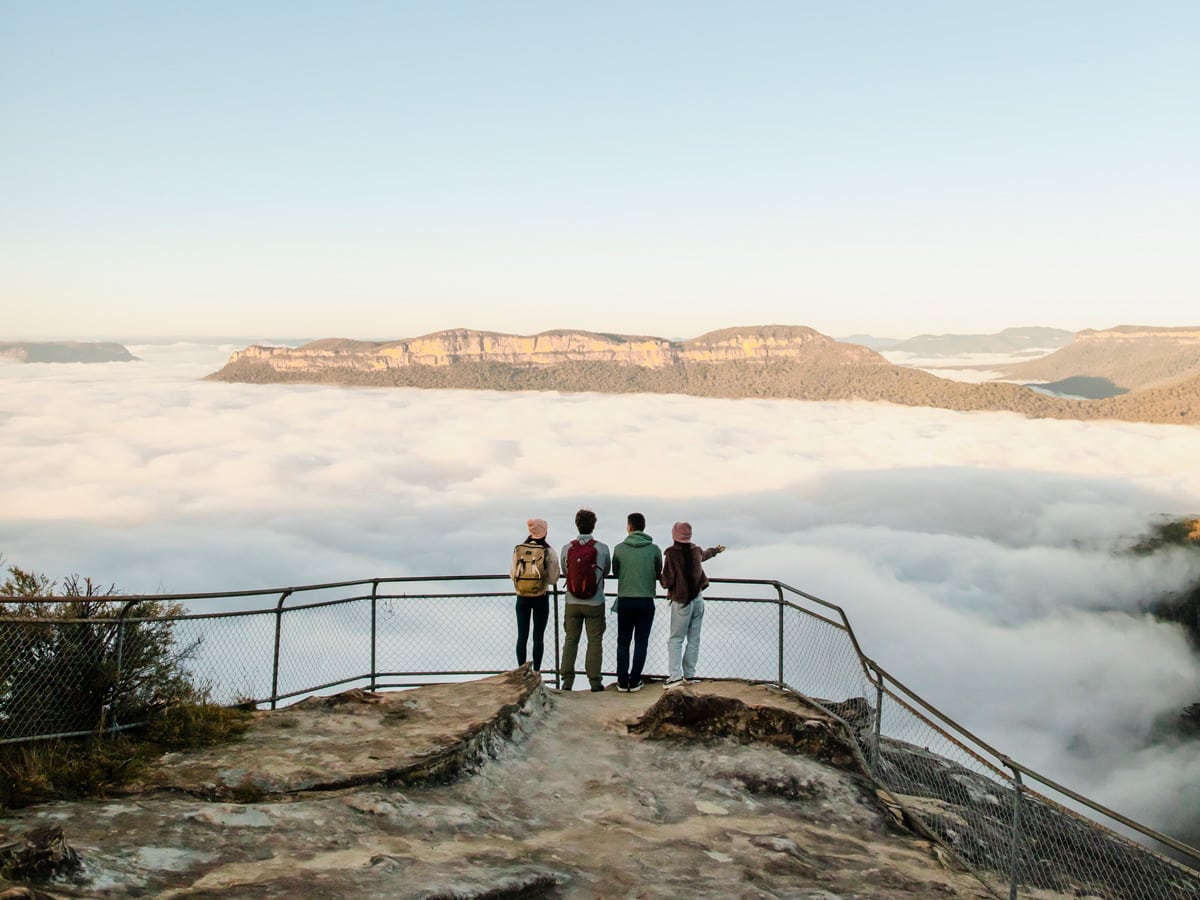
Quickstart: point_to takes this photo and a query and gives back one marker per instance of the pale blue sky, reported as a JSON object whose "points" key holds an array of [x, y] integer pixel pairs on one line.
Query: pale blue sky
{"points": [[382, 170]]}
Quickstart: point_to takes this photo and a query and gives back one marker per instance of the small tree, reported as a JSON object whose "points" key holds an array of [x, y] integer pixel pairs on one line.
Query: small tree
{"points": [[87, 663]]}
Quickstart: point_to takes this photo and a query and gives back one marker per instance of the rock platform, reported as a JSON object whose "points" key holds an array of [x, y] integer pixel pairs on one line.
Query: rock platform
{"points": [[504, 788]]}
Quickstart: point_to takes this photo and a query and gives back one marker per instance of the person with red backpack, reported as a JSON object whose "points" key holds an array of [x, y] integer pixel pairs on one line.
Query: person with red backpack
{"points": [[585, 563]]}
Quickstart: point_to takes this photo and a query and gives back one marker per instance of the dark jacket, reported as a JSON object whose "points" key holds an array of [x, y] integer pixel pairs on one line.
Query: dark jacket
{"points": [[682, 574]]}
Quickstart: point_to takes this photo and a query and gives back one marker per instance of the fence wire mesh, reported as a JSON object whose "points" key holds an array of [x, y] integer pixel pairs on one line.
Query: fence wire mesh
{"points": [[1006, 831], [71, 668]]}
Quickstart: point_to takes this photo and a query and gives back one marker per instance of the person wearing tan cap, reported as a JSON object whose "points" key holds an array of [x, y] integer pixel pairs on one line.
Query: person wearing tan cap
{"points": [[684, 579], [534, 569]]}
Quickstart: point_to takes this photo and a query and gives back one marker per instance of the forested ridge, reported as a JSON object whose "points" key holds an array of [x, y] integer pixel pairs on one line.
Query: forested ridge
{"points": [[1176, 403]]}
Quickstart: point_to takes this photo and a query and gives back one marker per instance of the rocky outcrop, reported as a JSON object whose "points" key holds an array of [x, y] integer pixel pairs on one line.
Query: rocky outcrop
{"points": [[63, 351], [570, 804], [358, 737], [40, 854], [710, 715], [718, 789], [552, 348], [781, 361], [967, 811]]}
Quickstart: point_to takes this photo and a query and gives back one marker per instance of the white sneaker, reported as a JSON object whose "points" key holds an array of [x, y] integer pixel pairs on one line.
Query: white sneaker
{"points": [[675, 682]]}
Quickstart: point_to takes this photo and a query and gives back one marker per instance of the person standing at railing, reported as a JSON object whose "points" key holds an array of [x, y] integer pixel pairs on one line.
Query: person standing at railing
{"points": [[684, 579], [637, 565], [534, 569], [585, 563]]}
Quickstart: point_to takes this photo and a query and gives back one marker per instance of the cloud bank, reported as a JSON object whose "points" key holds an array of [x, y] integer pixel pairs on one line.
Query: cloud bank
{"points": [[977, 554]]}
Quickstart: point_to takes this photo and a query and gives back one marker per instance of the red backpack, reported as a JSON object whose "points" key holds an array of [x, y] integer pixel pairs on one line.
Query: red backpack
{"points": [[581, 569]]}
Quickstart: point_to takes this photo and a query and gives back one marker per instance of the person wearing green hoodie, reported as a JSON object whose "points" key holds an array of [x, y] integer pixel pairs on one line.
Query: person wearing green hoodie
{"points": [[637, 563]]}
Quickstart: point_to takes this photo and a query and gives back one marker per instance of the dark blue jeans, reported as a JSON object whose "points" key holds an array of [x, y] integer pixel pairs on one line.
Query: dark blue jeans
{"points": [[635, 615], [539, 609]]}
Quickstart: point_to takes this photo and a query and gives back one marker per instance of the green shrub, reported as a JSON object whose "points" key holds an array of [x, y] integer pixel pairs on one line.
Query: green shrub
{"points": [[88, 662], [69, 768], [80, 666]]}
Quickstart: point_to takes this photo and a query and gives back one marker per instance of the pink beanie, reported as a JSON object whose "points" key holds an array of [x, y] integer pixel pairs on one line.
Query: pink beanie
{"points": [[682, 532], [537, 528]]}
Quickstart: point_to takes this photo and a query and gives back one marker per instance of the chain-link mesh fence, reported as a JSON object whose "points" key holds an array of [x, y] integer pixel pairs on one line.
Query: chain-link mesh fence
{"points": [[1007, 832], [69, 668]]}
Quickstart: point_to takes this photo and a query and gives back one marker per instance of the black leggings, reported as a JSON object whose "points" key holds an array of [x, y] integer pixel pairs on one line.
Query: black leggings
{"points": [[539, 609]]}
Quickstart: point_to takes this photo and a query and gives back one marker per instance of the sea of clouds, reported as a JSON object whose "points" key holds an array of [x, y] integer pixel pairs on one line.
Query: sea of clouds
{"points": [[979, 556]]}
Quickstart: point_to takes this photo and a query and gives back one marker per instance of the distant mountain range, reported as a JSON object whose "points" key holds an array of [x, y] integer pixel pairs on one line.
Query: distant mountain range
{"points": [[1010, 341], [756, 361], [869, 340], [64, 351]]}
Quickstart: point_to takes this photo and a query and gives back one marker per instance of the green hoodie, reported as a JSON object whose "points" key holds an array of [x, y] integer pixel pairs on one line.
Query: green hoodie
{"points": [[637, 563]]}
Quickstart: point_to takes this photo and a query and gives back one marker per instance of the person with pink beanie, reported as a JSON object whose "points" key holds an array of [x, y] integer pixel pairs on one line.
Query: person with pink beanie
{"points": [[534, 569], [684, 579]]}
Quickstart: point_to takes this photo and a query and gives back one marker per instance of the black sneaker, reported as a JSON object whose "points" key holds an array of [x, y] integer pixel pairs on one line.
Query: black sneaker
{"points": [[623, 689], [597, 687], [634, 688]]}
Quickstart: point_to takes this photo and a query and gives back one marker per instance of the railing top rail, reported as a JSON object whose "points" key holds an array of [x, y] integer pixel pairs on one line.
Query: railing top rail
{"points": [[363, 582], [893, 682], [256, 592]]}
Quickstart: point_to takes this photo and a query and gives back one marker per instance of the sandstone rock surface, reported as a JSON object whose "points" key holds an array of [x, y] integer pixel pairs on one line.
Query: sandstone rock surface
{"points": [[499, 788], [550, 348]]}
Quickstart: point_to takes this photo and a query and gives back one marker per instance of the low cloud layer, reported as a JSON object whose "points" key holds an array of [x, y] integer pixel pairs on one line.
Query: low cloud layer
{"points": [[977, 554]]}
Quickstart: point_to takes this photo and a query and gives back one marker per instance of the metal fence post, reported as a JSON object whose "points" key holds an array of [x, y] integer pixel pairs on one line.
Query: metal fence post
{"points": [[876, 752], [779, 593], [1015, 856], [374, 627], [557, 662], [129, 604], [275, 664]]}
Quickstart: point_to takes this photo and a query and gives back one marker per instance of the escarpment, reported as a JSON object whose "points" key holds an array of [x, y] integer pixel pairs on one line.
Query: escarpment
{"points": [[781, 361], [553, 348]]}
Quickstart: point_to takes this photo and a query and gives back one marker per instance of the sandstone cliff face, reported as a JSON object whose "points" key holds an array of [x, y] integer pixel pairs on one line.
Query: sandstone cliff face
{"points": [[1184, 335], [551, 348], [1129, 356], [764, 361]]}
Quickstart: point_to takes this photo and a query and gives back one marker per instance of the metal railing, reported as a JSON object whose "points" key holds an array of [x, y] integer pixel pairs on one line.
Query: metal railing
{"points": [[387, 633]]}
